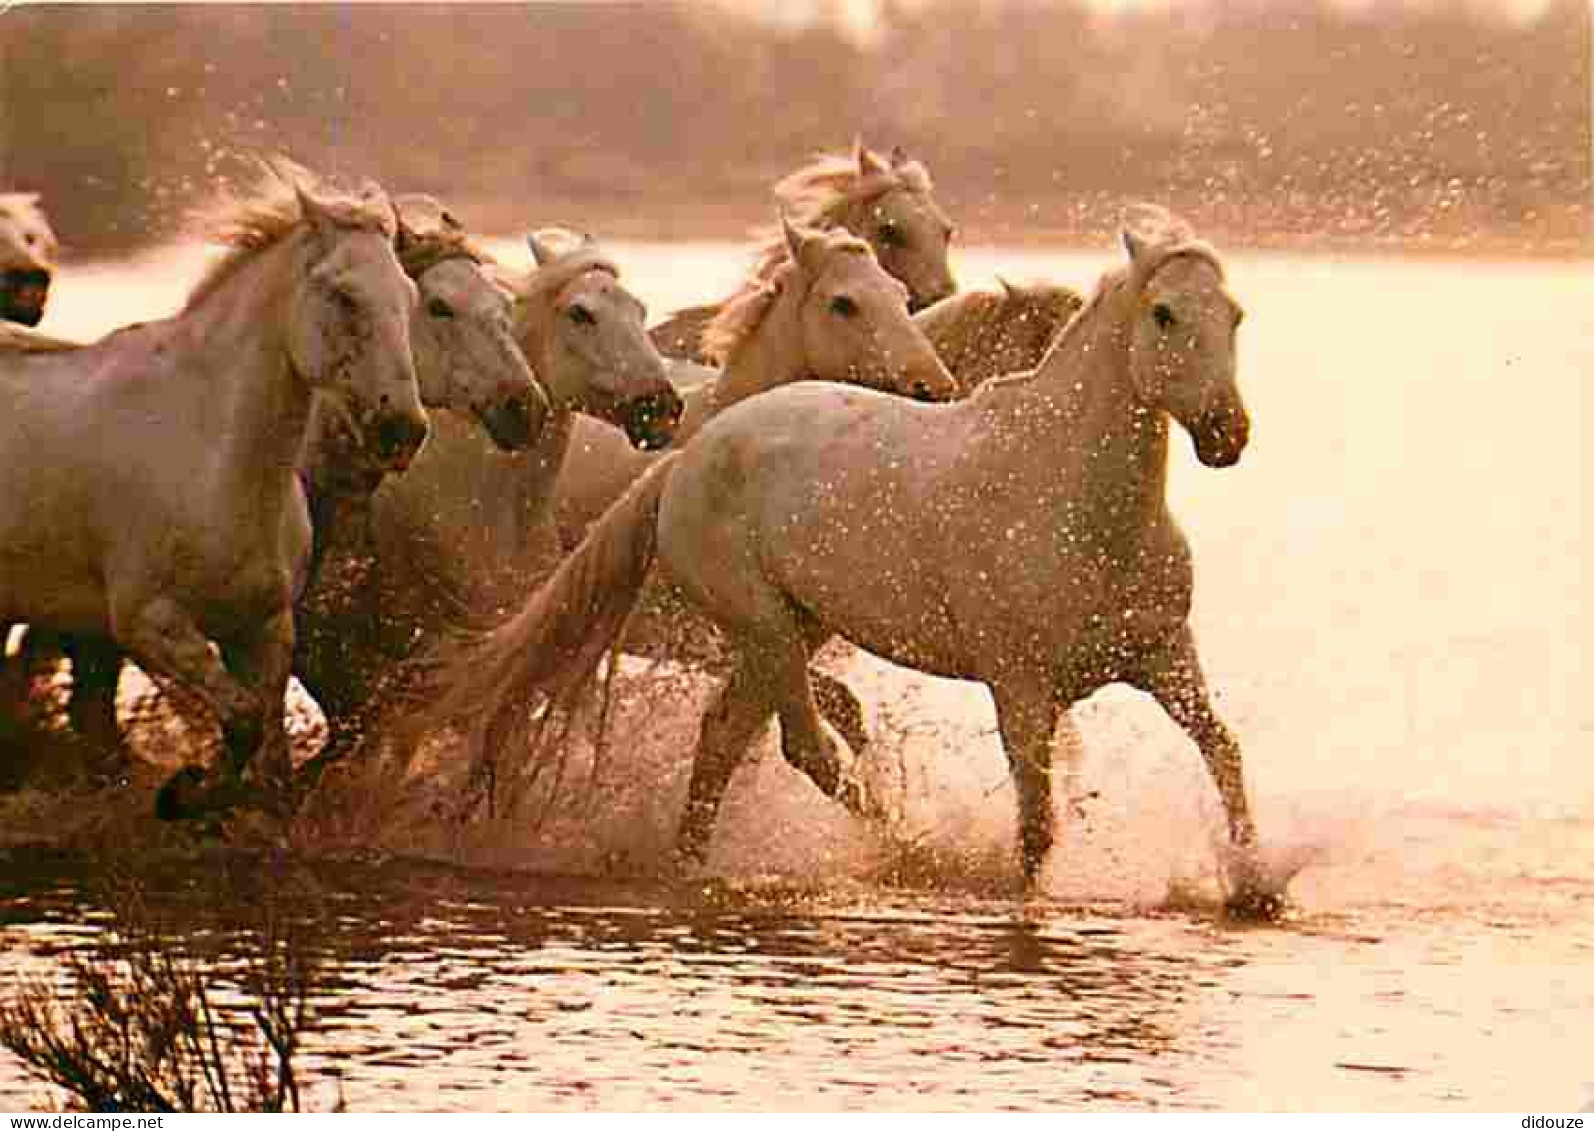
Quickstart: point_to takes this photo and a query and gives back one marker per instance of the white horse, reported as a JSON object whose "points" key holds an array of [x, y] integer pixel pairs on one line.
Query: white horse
{"points": [[150, 482], [457, 538], [1020, 538], [466, 360]]}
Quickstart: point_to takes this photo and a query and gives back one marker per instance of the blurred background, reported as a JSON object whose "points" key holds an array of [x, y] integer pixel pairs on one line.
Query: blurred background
{"points": [[1451, 125]]}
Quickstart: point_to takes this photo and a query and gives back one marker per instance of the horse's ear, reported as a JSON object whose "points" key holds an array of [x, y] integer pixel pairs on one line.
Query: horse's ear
{"points": [[1136, 245], [451, 221], [404, 235], [899, 157], [540, 251], [1147, 226], [869, 163], [316, 215], [794, 239], [1009, 291]]}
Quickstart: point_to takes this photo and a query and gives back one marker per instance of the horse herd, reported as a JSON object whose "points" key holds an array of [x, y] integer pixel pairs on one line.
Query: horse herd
{"points": [[361, 436]]}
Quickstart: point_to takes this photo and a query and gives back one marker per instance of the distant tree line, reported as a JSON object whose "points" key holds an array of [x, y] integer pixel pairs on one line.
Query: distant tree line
{"points": [[1443, 125]]}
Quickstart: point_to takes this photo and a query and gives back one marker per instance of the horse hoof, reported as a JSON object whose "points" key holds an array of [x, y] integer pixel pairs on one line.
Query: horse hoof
{"points": [[1254, 904], [1255, 890], [183, 796]]}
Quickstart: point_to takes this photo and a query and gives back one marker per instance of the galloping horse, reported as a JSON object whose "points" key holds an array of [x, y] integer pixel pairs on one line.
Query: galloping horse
{"points": [[1020, 538], [150, 475], [466, 360], [884, 201], [28, 251], [828, 312], [455, 539]]}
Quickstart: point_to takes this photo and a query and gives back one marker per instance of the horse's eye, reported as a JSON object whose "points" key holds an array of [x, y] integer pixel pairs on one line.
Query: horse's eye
{"points": [[843, 306], [890, 235], [437, 308], [1163, 313], [581, 316]]}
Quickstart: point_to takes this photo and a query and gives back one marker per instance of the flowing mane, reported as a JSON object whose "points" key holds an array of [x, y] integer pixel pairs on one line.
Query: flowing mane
{"points": [[248, 227], [821, 193], [422, 248], [1112, 281], [571, 264], [26, 240], [974, 330], [744, 311]]}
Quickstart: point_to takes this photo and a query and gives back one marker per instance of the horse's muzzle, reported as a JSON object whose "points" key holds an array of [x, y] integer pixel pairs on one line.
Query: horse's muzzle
{"points": [[397, 437], [650, 420], [515, 423], [23, 295], [1220, 437]]}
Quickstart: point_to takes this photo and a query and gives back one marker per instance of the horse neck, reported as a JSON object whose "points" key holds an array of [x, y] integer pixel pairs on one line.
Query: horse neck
{"points": [[1077, 435], [236, 342], [771, 355]]}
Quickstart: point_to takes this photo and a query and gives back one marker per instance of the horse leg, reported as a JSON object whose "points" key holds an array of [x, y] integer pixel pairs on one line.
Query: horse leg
{"points": [[1173, 677], [163, 639], [1067, 739], [805, 741], [96, 671], [1027, 713], [739, 711], [840, 708], [265, 661]]}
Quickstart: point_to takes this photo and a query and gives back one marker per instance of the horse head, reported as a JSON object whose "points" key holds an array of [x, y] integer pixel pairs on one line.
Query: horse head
{"points": [[1181, 335], [585, 334]]}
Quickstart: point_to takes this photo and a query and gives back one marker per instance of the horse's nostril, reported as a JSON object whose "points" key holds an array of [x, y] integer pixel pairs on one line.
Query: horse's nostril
{"points": [[399, 433]]}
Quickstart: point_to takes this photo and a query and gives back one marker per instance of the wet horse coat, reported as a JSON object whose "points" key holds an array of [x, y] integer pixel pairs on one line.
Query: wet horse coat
{"points": [[151, 492], [1020, 538]]}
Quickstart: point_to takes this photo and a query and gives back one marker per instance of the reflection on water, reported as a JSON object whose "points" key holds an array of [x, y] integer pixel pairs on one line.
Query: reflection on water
{"points": [[1390, 605]]}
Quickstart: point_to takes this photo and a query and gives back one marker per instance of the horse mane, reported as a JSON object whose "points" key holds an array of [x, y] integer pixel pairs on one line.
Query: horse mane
{"points": [[822, 192], [22, 206], [552, 277], [23, 211], [1112, 281], [419, 252], [744, 311], [424, 247], [247, 227]]}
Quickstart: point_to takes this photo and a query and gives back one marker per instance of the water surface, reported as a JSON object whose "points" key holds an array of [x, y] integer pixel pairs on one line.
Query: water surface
{"points": [[1391, 608]]}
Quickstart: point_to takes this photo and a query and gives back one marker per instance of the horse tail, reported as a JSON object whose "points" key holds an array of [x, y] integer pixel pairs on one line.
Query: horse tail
{"points": [[554, 646]]}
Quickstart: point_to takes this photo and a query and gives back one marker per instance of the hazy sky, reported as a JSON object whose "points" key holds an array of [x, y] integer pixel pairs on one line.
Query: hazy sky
{"points": [[862, 12]]}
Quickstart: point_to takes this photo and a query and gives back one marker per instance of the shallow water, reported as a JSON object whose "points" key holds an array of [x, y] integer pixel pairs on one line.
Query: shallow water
{"points": [[1391, 607]]}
